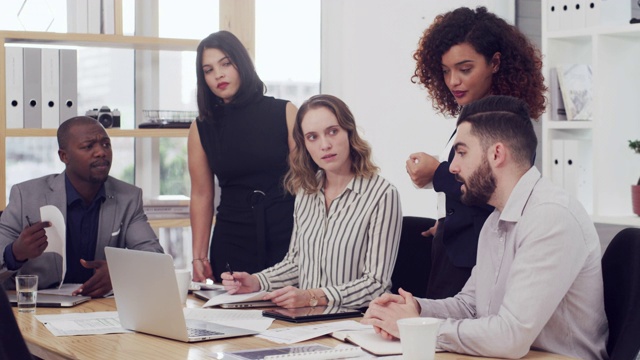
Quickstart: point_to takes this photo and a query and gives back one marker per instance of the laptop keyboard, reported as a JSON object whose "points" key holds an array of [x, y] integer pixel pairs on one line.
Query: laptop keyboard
{"points": [[193, 332]]}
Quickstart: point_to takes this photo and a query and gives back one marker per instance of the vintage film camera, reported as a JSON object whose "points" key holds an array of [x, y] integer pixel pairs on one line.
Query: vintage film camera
{"points": [[105, 116]]}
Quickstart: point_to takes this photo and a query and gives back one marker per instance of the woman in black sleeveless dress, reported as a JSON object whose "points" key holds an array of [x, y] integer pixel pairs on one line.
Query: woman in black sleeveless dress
{"points": [[243, 138]]}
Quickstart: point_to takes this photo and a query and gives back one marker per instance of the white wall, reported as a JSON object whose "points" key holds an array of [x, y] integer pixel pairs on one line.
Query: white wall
{"points": [[367, 61]]}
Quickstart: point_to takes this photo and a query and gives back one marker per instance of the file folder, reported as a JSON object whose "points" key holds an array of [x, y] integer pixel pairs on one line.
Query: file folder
{"points": [[577, 14], [77, 16], [50, 89], [14, 87], [553, 15], [108, 17], [32, 93], [68, 84], [94, 16]]}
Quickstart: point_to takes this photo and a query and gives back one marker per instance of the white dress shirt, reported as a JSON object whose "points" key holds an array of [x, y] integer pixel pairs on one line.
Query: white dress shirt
{"points": [[348, 251], [537, 283]]}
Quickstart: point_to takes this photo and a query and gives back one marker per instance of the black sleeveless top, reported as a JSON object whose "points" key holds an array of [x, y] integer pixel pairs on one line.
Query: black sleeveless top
{"points": [[247, 149]]}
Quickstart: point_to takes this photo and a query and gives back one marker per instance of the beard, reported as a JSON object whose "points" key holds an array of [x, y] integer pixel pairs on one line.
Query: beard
{"points": [[480, 185]]}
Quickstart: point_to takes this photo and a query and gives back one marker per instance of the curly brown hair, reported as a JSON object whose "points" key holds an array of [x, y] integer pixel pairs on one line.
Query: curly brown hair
{"points": [[303, 171], [520, 73]]}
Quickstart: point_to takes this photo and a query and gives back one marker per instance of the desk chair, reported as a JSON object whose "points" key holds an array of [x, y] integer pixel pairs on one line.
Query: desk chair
{"points": [[12, 345], [621, 275], [413, 264]]}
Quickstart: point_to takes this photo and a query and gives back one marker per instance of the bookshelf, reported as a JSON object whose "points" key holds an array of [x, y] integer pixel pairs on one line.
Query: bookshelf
{"points": [[608, 166], [94, 41]]}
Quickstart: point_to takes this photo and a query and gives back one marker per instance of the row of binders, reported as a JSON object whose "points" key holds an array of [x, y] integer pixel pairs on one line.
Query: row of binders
{"points": [[41, 87], [91, 16], [576, 14]]}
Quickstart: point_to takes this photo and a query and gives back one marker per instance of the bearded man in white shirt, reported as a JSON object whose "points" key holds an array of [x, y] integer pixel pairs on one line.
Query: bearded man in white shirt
{"points": [[537, 283]]}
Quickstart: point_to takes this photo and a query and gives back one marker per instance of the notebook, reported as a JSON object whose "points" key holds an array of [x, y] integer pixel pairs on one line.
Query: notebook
{"points": [[49, 300], [148, 300], [371, 342]]}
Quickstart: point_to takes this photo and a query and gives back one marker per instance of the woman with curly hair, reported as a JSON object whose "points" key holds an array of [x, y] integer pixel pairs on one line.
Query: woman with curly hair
{"points": [[347, 218], [464, 56]]}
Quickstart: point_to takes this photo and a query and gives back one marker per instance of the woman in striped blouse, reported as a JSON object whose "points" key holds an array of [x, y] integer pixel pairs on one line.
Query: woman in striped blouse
{"points": [[347, 218]]}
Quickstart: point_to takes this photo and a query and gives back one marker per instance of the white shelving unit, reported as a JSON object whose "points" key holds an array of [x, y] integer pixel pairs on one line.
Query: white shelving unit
{"points": [[86, 40], [614, 55]]}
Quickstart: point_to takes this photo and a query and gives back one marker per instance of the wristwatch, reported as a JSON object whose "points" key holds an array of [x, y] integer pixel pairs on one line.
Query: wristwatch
{"points": [[313, 301]]}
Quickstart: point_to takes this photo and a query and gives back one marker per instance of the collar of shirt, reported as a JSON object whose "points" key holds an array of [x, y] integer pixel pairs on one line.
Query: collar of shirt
{"points": [[73, 196], [355, 185], [520, 196]]}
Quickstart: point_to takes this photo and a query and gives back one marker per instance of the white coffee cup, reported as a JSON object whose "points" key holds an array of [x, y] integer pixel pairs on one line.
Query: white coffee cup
{"points": [[418, 337], [183, 276]]}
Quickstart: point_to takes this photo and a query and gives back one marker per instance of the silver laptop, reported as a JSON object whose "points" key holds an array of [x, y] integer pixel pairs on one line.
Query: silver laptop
{"points": [[148, 300], [51, 300]]}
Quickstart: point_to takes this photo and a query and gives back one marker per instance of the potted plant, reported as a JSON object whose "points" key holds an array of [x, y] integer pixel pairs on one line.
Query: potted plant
{"points": [[635, 189]]}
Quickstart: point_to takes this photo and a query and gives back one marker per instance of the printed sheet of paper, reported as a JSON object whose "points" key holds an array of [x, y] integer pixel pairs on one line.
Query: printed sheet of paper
{"points": [[227, 298], [95, 323], [290, 335], [246, 319], [56, 234]]}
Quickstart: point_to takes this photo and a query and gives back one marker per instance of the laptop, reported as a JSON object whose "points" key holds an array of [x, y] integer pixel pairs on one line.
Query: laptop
{"points": [[148, 299], [51, 300]]}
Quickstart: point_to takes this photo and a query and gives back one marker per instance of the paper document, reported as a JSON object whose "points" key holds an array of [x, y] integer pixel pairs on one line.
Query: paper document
{"points": [[95, 323], [227, 298], [56, 234], [64, 289], [370, 341], [245, 319], [290, 335]]}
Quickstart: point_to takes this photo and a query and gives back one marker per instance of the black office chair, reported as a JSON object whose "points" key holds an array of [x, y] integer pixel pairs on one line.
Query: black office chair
{"points": [[621, 275], [413, 264], [12, 345]]}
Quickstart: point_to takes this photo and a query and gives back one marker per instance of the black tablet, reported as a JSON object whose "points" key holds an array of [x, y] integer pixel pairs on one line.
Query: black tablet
{"points": [[305, 314]]}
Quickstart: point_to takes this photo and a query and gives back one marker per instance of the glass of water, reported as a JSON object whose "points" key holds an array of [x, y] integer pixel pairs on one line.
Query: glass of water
{"points": [[27, 292]]}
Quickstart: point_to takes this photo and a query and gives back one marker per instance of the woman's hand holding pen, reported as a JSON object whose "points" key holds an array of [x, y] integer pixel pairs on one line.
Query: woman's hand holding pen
{"points": [[32, 241], [240, 282]]}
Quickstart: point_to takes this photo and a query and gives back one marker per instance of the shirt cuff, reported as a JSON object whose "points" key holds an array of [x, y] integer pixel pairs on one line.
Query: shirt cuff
{"points": [[264, 282], [10, 260]]}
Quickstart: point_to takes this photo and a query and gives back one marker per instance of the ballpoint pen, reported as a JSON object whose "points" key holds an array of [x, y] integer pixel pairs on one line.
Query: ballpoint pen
{"points": [[29, 222], [229, 269]]}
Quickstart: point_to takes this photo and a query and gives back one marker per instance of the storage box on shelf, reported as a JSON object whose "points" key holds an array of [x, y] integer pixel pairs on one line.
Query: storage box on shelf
{"points": [[604, 170], [93, 41]]}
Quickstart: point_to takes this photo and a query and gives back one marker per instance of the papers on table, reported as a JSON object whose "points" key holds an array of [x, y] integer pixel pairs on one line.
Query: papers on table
{"points": [[227, 298], [95, 323], [290, 335], [246, 319], [107, 322], [64, 289]]}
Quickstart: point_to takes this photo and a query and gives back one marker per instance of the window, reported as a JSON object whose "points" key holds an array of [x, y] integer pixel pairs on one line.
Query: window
{"points": [[288, 48]]}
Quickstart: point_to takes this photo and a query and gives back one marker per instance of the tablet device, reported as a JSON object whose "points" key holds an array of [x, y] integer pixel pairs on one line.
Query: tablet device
{"points": [[51, 300], [305, 314]]}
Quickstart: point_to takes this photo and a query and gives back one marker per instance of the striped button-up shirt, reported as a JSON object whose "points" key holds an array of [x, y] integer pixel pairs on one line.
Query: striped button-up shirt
{"points": [[349, 250]]}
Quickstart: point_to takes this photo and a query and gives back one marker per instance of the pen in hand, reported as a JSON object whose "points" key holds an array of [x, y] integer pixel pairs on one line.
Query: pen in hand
{"points": [[30, 224], [230, 271]]}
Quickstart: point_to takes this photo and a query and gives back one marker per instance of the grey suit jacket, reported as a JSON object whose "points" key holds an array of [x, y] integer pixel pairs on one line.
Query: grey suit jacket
{"points": [[122, 224]]}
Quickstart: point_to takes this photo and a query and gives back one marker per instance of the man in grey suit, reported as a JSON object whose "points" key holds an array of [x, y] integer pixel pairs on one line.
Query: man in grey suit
{"points": [[99, 211]]}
